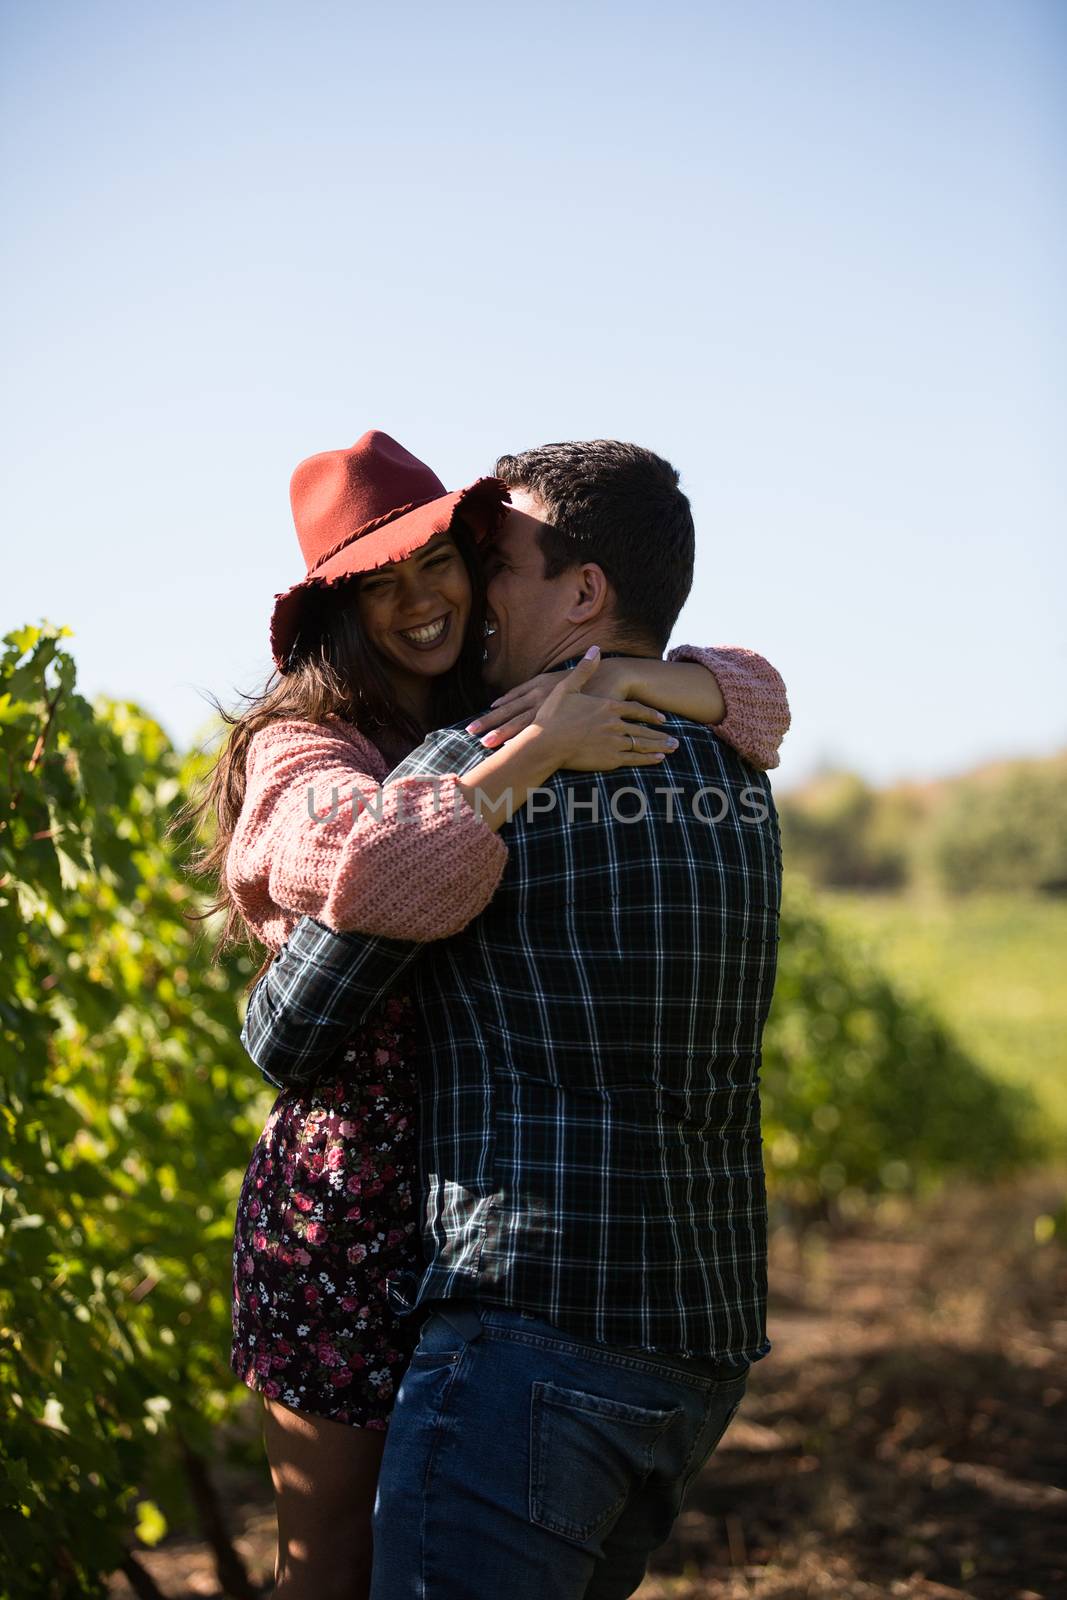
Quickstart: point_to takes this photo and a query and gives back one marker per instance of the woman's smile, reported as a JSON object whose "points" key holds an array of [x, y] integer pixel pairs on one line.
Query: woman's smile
{"points": [[428, 635]]}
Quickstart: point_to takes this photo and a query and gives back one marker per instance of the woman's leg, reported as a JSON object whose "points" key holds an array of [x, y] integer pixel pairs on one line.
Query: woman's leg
{"points": [[325, 1474]]}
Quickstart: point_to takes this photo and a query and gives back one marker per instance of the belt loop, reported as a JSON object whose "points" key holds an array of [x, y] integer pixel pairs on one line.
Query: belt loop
{"points": [[462, 1315]]}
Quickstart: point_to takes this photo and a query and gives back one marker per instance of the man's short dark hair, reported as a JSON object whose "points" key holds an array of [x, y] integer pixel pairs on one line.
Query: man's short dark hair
{"points": [[619, 506]]}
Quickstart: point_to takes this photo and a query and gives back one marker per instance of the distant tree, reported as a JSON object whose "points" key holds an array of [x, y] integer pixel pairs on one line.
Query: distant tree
{"points": [[865, 1089], [1002, 827], [1006, 829], [844, 834]]}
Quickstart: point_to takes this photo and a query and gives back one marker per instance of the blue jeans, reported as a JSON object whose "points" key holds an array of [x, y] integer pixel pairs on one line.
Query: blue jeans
{"points": [[523, 1464]]}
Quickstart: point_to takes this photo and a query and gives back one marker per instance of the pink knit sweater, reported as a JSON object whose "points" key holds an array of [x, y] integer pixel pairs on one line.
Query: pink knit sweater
{"points": [[409, 864], [757, 707]]}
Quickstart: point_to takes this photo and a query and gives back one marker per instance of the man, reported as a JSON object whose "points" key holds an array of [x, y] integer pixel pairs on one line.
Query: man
{"points": [[595, 1223]]}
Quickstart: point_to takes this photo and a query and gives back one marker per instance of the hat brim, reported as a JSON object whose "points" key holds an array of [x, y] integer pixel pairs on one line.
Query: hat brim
{"points": [[389, 538]]}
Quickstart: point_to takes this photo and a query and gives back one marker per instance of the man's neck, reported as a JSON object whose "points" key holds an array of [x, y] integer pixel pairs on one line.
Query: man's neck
{"points": [[609, 646]]}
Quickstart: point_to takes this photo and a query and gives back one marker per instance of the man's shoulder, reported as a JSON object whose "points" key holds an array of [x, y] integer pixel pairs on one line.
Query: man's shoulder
{"points": [[706, 746], [458, 728], [448, 749], [454, 736]]}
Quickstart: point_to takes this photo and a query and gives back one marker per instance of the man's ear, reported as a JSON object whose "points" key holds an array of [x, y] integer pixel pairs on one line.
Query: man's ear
{"points": [[590, 595]]}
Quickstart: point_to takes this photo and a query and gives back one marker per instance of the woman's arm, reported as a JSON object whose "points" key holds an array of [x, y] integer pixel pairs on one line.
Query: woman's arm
{"points": [[734, 690], [408, 862], [320, 836], [757, 715], [685, 688]]}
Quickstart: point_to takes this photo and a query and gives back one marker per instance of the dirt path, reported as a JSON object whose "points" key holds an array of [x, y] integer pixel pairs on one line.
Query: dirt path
{"points": [[905, 1439]]}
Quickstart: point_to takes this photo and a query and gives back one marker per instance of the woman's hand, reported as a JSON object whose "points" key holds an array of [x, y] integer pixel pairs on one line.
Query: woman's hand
{"points": [[512, 712], [587, 731], [518, 708], [567, 728]]}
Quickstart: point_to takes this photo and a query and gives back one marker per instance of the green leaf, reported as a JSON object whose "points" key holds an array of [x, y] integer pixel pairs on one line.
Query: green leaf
{"points": [[151, 1523]]}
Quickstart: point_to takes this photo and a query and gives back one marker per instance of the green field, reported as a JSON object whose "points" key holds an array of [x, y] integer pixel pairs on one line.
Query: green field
{"points": [[995, 966]]}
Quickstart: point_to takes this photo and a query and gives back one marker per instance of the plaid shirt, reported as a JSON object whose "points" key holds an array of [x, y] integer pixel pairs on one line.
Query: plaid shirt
{"points": [[590, 1114]]}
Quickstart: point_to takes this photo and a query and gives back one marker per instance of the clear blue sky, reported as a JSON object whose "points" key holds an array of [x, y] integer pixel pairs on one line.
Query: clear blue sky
{"points": [[814, 253]]}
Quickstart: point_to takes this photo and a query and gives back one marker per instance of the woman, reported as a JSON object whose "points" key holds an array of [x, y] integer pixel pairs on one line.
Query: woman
{"points": [[382, 641]]}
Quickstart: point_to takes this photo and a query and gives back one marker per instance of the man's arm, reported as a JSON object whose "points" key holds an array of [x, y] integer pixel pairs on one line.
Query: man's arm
{"points": [[319, 988], [322, 985]]}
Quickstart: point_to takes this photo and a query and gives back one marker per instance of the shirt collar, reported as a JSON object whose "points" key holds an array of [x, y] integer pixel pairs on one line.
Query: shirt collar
{"points": [[605, 655]]}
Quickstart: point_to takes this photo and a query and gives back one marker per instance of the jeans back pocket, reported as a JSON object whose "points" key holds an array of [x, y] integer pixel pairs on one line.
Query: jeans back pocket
{"points": [[587, 1453]]}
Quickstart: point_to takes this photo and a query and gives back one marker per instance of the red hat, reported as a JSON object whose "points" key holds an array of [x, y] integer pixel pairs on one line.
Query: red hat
{"points": [[360, 508]]}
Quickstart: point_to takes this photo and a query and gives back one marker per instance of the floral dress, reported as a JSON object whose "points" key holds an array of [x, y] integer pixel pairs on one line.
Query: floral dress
{"points": [[327, 1215]]}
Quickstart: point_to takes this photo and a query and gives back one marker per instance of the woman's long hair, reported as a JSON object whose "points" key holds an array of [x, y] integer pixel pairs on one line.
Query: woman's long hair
{"points": [[333, 671]]}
